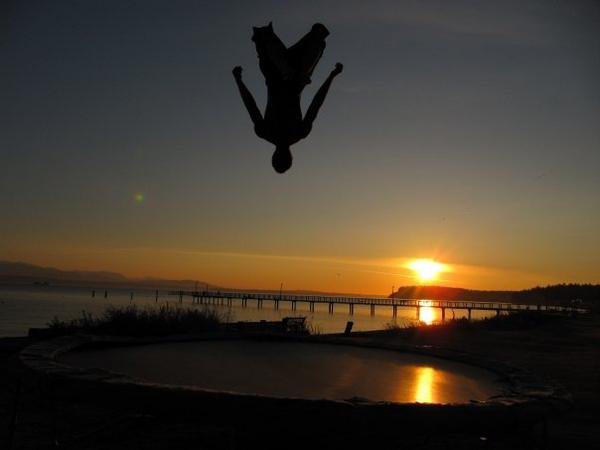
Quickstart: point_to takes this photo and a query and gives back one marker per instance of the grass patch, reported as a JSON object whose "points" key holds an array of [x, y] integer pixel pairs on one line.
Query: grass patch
{"points": [[394, 328], [522, 320], [135, 321]]}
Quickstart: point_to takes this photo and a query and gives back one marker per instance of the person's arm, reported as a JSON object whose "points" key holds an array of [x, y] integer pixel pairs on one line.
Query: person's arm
{"points": [[247, 98], [319, 98]]}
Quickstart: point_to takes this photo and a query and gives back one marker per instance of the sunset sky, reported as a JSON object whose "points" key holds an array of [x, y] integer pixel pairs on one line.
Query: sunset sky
{"points": [[467, 132]]}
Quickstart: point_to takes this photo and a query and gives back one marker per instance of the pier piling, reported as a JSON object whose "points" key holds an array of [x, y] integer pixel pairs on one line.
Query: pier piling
{"points": [[348, 329], [221, 298]]}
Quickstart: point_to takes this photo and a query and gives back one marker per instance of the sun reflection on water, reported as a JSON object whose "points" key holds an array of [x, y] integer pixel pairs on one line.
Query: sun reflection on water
{"points": [[426, 315], [424, 392]]}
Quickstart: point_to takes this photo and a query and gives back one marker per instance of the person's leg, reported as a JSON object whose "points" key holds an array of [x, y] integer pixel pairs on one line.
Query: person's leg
{"points": [[306, 53], [272, 54]]}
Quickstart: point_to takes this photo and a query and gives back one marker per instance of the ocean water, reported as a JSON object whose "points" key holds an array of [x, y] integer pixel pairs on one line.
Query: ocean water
{"points": [[24, 307]]}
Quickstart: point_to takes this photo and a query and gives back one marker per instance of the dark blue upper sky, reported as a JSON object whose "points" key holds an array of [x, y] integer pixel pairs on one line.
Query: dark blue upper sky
{"points": [[465, 130]]}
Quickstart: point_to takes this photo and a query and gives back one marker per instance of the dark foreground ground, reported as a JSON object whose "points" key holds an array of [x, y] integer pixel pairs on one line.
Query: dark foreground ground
{"points": [[53, 413]]}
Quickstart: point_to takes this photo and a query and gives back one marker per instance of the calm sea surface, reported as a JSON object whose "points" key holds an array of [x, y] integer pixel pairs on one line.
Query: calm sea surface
{"points": [[24, 307]]}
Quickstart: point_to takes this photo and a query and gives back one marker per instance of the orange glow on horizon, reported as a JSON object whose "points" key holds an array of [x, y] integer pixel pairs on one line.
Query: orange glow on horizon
{"points": [[346, 275]]}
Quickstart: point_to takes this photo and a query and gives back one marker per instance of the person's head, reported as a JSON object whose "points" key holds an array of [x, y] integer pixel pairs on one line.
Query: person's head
{"points": [[282, 158]]}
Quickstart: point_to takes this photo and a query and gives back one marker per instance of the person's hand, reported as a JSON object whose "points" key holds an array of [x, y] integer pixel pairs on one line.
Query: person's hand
{"points": [[237, 72], [338, 69]]}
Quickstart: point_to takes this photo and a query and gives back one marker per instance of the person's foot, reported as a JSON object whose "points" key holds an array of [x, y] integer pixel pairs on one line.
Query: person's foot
{"points": [[338, 69], [320, 29]]}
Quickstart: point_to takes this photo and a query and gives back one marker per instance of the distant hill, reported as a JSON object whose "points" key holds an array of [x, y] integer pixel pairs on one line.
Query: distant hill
{"points": [[452, 293], [24, 273], [16, 270], [559, 294]]}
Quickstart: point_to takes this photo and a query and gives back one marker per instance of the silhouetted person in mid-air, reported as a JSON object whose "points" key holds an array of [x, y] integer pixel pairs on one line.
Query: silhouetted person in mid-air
{"points": [[287, 71]]}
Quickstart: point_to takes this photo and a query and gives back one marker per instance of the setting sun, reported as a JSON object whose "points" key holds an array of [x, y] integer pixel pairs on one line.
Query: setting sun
{"points": [[427, 269]]}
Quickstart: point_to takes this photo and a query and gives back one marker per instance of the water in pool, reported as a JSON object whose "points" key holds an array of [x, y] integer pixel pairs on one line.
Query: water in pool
{"points": [[299, 370]]}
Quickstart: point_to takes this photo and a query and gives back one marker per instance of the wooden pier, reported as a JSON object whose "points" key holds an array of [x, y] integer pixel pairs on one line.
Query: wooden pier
{"points": [[227, 298]]}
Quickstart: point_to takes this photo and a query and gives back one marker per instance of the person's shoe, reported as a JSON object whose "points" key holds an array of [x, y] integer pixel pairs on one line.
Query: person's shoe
{"points": [[320, 29]]}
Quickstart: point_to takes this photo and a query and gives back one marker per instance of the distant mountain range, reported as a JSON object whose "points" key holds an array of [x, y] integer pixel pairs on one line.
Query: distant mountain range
{"points": [[23, 270], [24, 273]]}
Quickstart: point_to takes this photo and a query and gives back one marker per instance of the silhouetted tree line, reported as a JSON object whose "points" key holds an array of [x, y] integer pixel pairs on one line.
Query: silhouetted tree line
{"points": [[588, 294], [559, 294]]}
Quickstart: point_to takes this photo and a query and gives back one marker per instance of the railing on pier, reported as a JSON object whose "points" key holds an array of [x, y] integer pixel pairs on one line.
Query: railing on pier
{"points": [[201, 296]]}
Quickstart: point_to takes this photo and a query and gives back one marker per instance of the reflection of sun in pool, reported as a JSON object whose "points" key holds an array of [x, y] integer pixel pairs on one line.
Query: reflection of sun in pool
{"points": [[426, 314], [424, 392]]}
